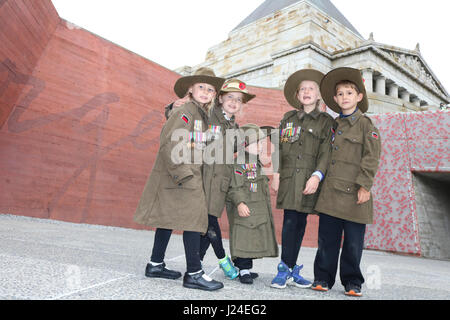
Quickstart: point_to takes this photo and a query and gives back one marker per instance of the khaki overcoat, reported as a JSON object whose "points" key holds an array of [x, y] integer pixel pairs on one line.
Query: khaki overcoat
{"points": [[173, 197], [217, 175], [354, 163], [305, 147], [252, 237]]}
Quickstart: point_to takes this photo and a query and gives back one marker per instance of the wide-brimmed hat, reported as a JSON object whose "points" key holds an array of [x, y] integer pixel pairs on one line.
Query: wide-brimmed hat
{"points": [[202, 75], [292, 83], [329, 82], [236, 85], [256, 133]]}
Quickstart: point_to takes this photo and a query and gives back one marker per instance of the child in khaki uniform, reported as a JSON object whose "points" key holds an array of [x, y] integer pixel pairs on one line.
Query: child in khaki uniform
{"points": [[252, 230], [173, 197], [345, 203], [217, 172], [305, 148], [217, 175]]}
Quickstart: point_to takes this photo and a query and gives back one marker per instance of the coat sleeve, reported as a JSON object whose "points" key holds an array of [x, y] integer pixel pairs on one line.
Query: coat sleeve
{"points": [[370, 157], [324, 155], [237, 193], [168, 110], [179, 122]]}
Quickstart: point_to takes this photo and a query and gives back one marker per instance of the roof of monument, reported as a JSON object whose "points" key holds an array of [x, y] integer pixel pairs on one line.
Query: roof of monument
{"points": [[270, 6]]}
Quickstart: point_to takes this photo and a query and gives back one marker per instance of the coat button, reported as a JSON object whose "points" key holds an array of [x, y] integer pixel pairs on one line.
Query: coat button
{"points": [[339, 132], [336, 148], [299, 157], [298, 170], [348, 189], [333, 162]]}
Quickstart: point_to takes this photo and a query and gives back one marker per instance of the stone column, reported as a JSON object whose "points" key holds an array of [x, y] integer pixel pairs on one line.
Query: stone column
{"points": [[405, 95], [380, 85], [393, 90], [367, 75], [416, 102]]}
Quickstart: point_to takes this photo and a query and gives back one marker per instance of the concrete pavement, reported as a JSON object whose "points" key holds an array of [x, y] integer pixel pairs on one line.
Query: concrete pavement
{"points": [[45, 259]]}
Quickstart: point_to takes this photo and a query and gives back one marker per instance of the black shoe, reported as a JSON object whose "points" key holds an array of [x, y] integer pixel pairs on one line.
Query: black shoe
{"points": [[201, 281], [246, 278], [254, 275], [160, 271], [353, 290], [320, 286]]}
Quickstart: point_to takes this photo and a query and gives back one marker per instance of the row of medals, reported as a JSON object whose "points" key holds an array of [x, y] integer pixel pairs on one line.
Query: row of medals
{"points": [[199, 139], [290, 133], [251, 170]]}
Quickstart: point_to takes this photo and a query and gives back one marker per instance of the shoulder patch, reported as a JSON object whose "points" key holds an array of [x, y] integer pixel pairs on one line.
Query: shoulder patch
{"points": [[185, 118], [375, 135]]}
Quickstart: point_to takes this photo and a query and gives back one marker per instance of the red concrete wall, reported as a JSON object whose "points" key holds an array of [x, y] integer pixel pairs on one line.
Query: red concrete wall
{"points": [[82, 118], [82, 137], [25, 29]]}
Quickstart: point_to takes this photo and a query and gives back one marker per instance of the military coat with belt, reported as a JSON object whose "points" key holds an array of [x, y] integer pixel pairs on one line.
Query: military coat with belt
{"points": [[254, 236], [354, 163], [173, 197], [217, 175], [305, 147]]}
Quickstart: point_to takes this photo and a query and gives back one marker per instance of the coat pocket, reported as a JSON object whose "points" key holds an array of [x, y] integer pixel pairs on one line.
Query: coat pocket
{"points": [[346, 187], [191, 184], [352, 149], [354, 139], [250, 234], [286, 176]]}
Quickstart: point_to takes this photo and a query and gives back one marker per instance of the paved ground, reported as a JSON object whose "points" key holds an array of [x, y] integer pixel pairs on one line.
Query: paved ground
{"points": [[44, 259]]}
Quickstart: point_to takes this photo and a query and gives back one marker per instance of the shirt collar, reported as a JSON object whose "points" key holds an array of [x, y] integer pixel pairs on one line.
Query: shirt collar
{"points": [[222, 115], [352, 118], [315, 113], [225, 116]]}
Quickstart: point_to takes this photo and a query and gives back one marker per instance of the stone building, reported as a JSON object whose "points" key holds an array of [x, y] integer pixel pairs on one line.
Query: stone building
{"points": [[283, 36]]}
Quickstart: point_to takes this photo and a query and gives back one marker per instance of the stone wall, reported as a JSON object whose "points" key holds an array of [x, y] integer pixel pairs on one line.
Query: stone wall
{"points": [[433, 211]]}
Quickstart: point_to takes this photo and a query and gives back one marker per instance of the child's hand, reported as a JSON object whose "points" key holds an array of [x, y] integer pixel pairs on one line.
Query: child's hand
{"points": [[363, 196], [243, 210], [275, 181], [181, 102], [311, 185]]}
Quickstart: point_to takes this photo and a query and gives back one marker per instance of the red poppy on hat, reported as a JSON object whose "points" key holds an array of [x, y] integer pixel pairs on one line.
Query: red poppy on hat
{"points": [[242, 86]]}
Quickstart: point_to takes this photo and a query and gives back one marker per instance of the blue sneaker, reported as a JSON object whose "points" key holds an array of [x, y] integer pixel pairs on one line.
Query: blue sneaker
{"points": [[283, 276], [298, 280], [228, 269]]}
